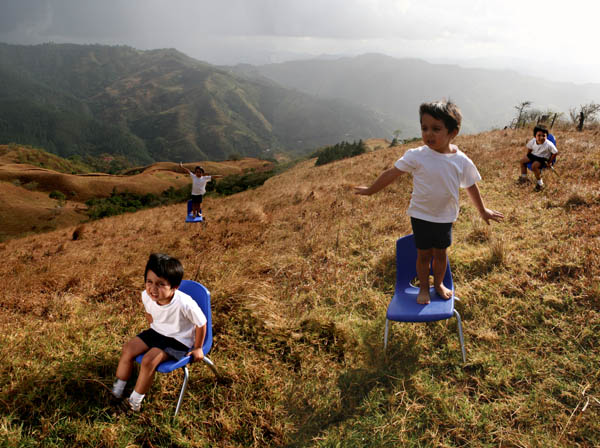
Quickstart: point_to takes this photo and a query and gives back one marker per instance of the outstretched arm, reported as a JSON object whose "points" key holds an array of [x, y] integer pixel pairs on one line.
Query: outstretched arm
{"points": [[486, 213], [181, 165], [384, 179]]}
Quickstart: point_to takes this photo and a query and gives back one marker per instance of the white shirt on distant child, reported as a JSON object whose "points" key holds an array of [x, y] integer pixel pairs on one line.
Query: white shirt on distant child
{"points": [[199, 184], [178, 319], [437, 178], [545, 150]]}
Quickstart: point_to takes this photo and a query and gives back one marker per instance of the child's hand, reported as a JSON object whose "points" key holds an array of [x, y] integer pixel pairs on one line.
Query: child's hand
{"points": [[181, 164], [361, 190], [196, 354], [491, 214]]}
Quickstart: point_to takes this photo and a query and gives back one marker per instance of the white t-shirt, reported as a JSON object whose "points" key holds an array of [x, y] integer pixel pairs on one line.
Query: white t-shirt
{"points": [[199, 184], [436, 181], [545, 150], [178, 319]]}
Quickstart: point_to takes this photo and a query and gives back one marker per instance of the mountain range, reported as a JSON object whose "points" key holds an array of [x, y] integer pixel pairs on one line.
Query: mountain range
{"points": [[396, 87], [160, 105]]}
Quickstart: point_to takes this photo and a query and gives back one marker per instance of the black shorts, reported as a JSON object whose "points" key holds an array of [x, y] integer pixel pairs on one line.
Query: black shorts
{"points": [[197, 198], [532, 158], [428, 235], [172, 346]]}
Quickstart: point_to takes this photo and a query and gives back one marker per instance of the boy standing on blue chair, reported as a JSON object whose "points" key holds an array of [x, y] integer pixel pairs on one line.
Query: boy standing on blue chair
{"points": [[177, 328], [541, 153], [439, 169], [199, 181]]}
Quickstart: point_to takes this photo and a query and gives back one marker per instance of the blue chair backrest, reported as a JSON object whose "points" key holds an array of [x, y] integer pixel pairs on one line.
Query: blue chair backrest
{"points": [[552, 139], [189, 208], [406, 263], [201, 295]]}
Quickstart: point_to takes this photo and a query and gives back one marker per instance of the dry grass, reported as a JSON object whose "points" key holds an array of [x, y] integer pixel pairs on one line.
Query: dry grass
{"points": [[301, 271], [26, 208]]}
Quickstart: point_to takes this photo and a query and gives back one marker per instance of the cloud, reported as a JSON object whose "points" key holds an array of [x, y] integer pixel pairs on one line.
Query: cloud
{"points": [[229, 31]]}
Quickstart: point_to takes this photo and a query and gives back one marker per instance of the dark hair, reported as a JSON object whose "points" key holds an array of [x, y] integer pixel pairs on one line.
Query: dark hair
{"points": [[198, 167], [540, 128], [444, 110], [165, 267]]}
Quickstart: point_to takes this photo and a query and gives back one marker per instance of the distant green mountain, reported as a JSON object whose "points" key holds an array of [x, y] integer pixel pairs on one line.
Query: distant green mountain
{"points": [[396, 87], [161, 105]]}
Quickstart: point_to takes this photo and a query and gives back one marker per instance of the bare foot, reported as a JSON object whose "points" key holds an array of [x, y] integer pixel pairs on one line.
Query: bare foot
{"points": [[423, 297], [443, 292]]}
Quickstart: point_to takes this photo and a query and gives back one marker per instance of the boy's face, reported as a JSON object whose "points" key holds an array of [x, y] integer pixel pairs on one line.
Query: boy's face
{"points": [[540, 137], [198, 172], [158, 288], [435, 134]]}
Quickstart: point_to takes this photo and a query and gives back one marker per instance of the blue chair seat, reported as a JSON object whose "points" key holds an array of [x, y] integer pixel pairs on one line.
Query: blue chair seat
{"points": [[189, 217], [404, 307]]}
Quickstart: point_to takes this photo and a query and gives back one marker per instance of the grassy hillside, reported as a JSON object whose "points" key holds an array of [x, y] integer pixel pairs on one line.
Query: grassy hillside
{"points": [[28, 177], [301, 271]]}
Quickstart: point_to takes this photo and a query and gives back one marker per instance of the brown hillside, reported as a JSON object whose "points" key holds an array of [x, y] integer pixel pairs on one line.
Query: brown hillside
{"points": [[23, 211], [301, 271], [24, 188]]}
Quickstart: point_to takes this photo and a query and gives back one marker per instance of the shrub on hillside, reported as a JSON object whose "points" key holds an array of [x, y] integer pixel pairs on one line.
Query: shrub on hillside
{"points": [[126, 202], [339, 151], [58, 195], [236, 183]]}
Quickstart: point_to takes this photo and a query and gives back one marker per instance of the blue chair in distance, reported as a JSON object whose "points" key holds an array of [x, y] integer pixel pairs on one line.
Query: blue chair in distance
{"points": [[201, 295], [404, 307], [189, 217], [553, 140]]}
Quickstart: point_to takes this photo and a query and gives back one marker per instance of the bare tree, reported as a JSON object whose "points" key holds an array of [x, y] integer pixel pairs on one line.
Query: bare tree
{"points": [[521, 110], [396, 134], [584, 112]]}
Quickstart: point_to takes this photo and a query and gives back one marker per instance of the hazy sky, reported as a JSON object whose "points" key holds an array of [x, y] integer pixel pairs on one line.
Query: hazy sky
{"points": [[556, 39]]}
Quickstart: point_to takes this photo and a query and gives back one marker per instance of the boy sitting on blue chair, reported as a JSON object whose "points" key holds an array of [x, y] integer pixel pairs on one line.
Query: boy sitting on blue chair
{"points": [[177, 328], [439, 169], [541, 153]]}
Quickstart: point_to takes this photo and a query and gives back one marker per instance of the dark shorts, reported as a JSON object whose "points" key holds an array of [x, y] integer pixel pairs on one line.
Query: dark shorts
{"points": [[428, 235], [197, 198], [532, 158], [172, 346]]}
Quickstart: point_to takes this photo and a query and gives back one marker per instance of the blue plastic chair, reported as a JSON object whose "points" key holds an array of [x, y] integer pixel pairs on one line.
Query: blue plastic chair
{"points": [[404, 306], [202, 297], [189, 217], [553, 140]]}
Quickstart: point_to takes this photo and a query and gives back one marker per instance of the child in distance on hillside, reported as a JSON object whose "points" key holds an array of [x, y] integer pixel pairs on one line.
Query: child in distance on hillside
{"points": [[177, 328], [439, 169], [541, 152], [199, 181]]}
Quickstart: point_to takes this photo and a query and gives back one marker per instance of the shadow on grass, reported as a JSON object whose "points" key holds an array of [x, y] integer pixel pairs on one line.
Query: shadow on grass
{"points": [[382, 370], [75, 391]]}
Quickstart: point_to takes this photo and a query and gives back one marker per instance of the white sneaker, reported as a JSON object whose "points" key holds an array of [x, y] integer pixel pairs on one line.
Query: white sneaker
{"points": [[134, 406]]}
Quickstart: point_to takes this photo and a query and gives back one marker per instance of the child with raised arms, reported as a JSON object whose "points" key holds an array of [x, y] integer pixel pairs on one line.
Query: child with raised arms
{"points": [[177, 328], [439, 169], [199, 181]]}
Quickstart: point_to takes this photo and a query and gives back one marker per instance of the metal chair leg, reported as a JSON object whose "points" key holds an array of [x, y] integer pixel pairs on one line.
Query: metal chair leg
{"points": [[385, 335], [460, 336], [186, 376], [211, 365]]}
